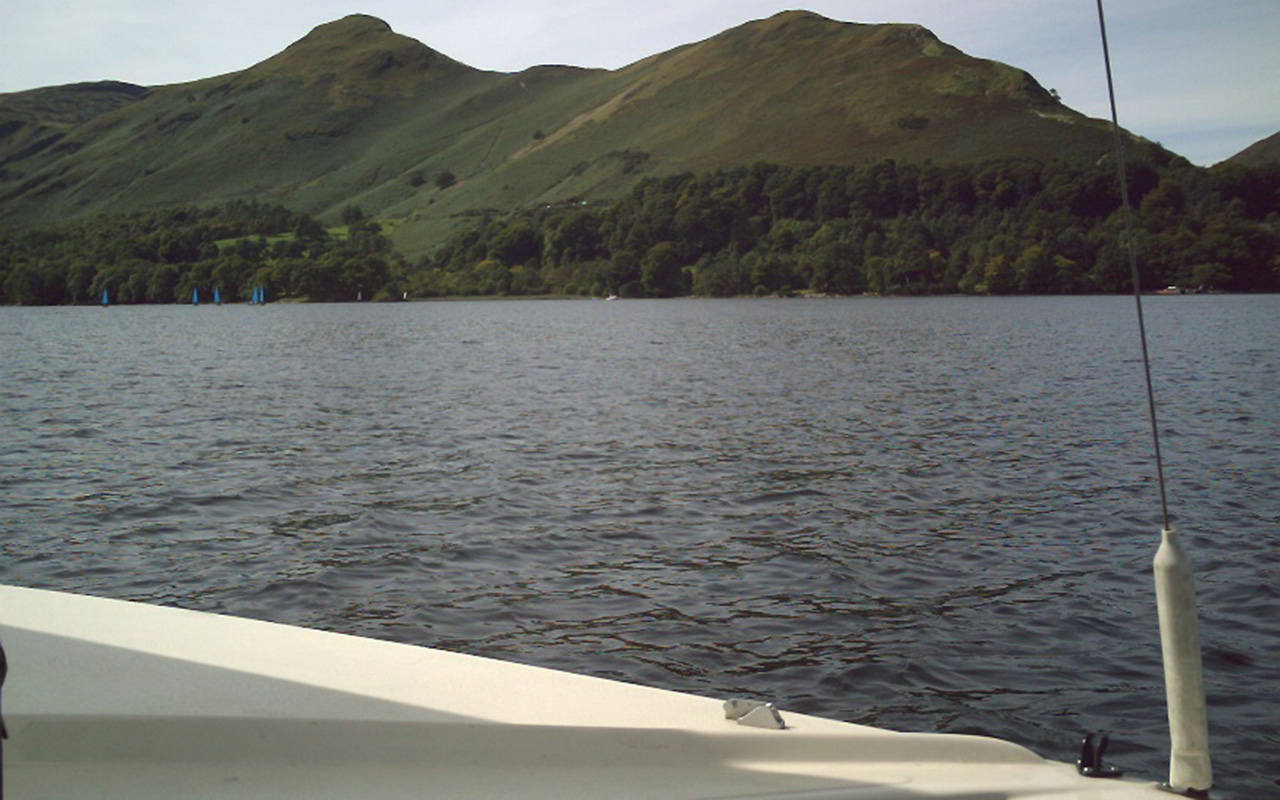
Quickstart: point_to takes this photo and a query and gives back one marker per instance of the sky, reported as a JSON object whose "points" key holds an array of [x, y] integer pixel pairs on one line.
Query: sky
{"points": [[1202, 77]]}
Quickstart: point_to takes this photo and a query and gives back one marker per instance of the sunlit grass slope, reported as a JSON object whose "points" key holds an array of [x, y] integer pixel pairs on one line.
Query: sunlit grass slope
{"points": [[354, 113]]}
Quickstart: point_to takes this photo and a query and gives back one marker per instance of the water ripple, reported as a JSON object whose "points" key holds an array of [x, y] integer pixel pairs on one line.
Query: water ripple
{"points": [[925, 514]]}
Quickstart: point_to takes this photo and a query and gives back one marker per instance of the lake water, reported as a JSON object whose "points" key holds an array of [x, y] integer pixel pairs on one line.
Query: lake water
{"points": [[933, 514]]}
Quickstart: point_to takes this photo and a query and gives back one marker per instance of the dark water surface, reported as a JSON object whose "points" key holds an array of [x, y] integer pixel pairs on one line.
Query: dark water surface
{"points": [[932, 514]]}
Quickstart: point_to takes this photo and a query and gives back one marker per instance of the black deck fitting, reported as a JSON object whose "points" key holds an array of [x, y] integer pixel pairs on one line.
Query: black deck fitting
{"points": [[1092, 751]]}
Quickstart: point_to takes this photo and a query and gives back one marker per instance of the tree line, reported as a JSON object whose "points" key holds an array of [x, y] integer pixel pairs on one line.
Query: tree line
{"points": [[997, 228], [164, 256]]}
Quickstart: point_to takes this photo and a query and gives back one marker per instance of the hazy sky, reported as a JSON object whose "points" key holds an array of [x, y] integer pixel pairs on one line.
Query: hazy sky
{"points": [[1201, 77]]}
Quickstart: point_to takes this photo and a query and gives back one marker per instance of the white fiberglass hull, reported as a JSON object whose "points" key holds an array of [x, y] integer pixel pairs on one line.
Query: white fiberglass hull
{"points": [[108, 699]]}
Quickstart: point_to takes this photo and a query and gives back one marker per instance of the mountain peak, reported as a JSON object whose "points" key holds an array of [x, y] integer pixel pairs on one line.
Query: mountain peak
{"points": [[350, 26], [358, 47]]}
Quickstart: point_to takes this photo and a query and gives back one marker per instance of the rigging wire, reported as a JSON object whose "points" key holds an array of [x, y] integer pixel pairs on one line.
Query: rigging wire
{"points": [[1190, 767], [1133, 269]]}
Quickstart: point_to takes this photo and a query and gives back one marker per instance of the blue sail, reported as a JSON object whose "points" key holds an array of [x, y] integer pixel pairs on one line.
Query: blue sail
{"points": [[195, 297], [217, 298], [104, 298]]}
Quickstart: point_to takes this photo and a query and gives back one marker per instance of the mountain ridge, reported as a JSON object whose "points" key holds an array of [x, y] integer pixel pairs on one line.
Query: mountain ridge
{"points": [[354, 113], [1262, 153]]}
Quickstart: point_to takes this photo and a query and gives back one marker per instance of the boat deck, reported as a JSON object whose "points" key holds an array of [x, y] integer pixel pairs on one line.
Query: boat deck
{"points": [[109, 699]]}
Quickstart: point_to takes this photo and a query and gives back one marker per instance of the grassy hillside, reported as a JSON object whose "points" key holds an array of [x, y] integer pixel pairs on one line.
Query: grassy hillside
{"points": [[37, 121], [354, 113], [796, 89], [1262, 153]]}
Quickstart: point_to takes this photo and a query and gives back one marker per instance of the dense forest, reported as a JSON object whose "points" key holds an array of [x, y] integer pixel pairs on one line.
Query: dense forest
{"points": [[998, 228], [165, 256]]}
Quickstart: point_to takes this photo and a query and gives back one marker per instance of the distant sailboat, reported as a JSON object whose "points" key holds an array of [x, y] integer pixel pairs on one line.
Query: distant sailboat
{"points": [[195, 297], [217, 297], [104, 299]]}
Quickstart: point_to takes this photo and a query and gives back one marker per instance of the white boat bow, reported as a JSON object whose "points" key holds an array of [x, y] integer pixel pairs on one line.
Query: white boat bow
{"points": [[113, 699]]}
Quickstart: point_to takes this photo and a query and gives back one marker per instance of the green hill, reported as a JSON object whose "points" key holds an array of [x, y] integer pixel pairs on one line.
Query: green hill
{"points": [[1263, 153], [355, 114]]}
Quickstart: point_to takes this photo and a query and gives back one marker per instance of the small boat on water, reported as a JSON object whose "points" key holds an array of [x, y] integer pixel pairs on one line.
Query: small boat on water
{"points": [[107, 698]]}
